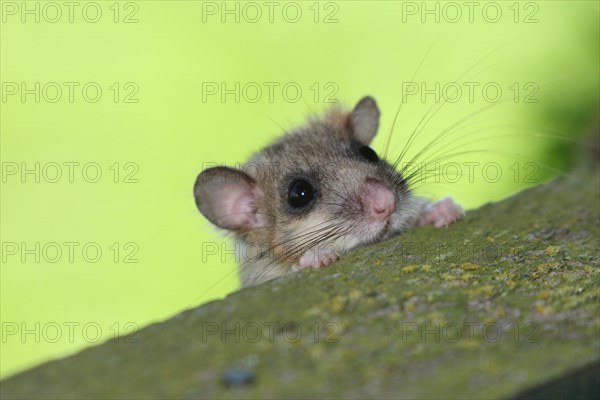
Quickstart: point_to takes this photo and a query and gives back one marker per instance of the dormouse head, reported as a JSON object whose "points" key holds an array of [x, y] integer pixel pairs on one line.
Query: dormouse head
{"points": [[319, 185]]}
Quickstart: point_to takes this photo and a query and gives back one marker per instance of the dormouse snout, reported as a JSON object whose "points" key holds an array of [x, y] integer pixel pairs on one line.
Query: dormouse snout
{"points": [[379, 200]]}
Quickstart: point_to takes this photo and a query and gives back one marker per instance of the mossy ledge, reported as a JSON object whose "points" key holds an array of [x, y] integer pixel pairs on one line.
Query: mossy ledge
{"points": [[502, 304]]}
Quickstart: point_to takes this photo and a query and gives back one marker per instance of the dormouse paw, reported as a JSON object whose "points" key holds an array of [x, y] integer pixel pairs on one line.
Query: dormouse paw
{"points": [[442, 213], [317, 258]]}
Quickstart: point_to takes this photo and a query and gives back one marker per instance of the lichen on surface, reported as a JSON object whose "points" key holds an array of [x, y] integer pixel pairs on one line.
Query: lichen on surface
{"points": [[499, 302]]}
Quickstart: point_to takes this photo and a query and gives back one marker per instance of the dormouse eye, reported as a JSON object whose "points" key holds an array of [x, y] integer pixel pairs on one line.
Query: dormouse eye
{"points": [[300, 193], [368, 154]]}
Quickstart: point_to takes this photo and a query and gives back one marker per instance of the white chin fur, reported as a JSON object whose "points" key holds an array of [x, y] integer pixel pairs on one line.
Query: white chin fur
{"points": [[369, 233]]}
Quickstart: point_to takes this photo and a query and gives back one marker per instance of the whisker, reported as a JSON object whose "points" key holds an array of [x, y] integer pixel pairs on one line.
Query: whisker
{"points": [[389, 136], [493, 151], [420, 125], [450, 128]]}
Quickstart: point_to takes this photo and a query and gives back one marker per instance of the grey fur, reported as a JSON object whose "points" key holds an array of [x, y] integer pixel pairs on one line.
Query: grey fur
{"points": [[326, 152]]}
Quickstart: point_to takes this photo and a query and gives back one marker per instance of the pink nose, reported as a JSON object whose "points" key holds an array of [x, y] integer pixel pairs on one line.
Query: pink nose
{"points": [[379, 200]]}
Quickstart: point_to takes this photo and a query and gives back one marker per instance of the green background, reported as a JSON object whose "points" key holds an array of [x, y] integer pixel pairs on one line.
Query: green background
{"points": [[167, 51]]}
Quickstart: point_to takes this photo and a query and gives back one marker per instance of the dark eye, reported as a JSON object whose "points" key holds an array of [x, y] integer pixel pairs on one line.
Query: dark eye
{"points": [[300, 193], [368, 154]]}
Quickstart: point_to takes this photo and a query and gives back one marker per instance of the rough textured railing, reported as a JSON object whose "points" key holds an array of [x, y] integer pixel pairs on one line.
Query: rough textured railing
{"points": [[502, 304]]}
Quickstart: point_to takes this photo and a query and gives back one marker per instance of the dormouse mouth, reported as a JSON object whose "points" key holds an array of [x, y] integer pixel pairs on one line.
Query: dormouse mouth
{"points": [[384, 231], [375, 231]]}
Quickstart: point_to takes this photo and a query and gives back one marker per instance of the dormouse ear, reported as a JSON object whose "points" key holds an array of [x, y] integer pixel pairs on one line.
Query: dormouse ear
{"points": [[227, 197], [365, 120]]}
